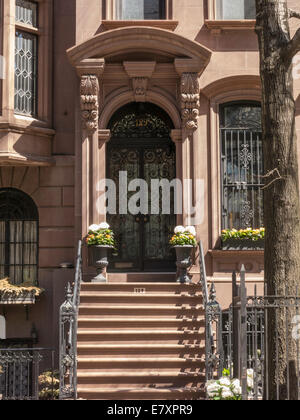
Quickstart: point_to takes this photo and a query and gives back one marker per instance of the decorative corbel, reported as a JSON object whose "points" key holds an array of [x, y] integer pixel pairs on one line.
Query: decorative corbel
{"points": [[190, 101], [89, 71], [89, 102], [140, 87], [140, 73]]}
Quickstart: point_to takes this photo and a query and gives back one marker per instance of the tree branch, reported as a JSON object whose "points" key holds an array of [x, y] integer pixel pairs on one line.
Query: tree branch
{"points": [[292, 48], [294, 14]]}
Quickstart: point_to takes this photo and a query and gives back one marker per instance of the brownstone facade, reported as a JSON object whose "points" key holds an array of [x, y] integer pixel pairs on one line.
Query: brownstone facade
{"points": [[89, 65]]}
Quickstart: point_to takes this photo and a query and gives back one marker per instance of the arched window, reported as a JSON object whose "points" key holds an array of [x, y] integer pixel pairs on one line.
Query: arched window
{"points": [[18, 236], [242, 165], [140, 9]]}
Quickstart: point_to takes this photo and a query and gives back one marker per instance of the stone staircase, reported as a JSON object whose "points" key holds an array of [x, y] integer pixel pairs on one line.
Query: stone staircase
{"points": [[139, 341]]}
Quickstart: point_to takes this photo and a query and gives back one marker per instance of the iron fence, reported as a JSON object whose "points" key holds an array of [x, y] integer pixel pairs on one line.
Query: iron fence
{"points": [[257, 334], [68, 334], [23, 375]]}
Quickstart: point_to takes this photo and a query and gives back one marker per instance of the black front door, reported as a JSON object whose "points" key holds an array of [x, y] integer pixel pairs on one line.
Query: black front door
{"points": [[142, 238]]}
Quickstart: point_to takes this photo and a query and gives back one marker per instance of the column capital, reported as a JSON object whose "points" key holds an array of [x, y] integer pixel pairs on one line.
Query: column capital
{"points": [[104, 136], [176, 135], [91, 66]]}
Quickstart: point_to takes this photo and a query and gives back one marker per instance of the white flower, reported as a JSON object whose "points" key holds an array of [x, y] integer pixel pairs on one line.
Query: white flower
{"points": [[94, 228], [226, 393], [250, 373], [104, 226], [191, 230], [236, 387], [212, 389], [250, 383], [225, 381], [179, 229]]}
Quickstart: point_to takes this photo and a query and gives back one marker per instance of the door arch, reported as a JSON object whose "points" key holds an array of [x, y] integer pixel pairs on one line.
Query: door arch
{"points": [[141, 148]]}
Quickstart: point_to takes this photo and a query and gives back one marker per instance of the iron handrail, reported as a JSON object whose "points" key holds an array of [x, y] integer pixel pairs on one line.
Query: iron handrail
{"points": [[68, 324]]}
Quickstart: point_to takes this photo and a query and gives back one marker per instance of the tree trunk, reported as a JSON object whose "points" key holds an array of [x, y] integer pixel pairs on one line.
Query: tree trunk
{"points": [[281, 193]]}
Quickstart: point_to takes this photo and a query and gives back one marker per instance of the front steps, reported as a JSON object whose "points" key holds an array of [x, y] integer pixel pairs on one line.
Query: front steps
{"points": [[141, 341]]}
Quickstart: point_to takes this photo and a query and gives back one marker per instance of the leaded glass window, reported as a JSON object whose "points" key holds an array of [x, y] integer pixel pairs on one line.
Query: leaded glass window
{"points": [[140, 9], [235, 9], [25, 73], [18, 237], [242, 166], [26, 12]]}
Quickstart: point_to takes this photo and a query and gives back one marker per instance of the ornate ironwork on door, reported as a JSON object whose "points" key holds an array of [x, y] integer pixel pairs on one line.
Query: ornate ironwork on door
{"points": [[141, 148]]}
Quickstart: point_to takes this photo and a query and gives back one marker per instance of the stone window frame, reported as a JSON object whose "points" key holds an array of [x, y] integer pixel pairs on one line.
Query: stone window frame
{"points": [[216, 100], [108, 11], [216, 26], [43, 117], [44, 46]]}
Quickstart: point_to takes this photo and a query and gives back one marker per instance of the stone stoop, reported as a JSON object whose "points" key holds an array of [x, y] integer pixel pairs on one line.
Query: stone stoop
{"points": [[141, 341]]}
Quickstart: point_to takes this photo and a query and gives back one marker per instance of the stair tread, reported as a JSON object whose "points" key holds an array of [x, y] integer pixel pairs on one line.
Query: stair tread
{"points": [[140, 390], [125, 331], [131, 294], [125, 319], [141, 307], [139, 359], [139, 346], [94, 374], [145, 284]]}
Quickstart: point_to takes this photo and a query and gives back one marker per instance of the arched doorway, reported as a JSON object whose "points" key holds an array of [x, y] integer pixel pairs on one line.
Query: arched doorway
{"points": [[141, 148]]}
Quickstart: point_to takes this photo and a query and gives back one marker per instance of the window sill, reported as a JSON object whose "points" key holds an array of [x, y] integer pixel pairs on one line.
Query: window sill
{"points": [[219, 25], [169, 25], [224, 252]]}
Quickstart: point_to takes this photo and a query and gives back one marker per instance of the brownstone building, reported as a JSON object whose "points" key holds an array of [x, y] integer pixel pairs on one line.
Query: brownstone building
{"points": [[90, 88]]}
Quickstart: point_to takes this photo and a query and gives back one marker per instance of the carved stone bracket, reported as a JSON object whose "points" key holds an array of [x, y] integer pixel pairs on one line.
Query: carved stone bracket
{"points": [[89, 71], [140, 87], [190, 101], [89, 93], [140, 73]]}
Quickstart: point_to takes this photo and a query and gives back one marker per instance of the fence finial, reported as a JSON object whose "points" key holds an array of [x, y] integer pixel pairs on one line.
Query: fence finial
{"points": [[213, 293]]}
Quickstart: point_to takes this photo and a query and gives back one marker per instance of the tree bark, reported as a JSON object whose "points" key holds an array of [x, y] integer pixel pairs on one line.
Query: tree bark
{"points": [[281, 192]]}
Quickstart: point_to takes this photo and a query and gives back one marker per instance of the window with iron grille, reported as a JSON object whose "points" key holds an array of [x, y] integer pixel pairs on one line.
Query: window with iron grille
{"points": [[242, 165], [235, 9], [18, 237], [140, 9], [26, 58]]}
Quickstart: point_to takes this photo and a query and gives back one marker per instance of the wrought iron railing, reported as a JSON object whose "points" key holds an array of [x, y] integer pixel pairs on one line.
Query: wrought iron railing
{"points": [[243, 342], [22, 373], [212, 345], [68, 334]]}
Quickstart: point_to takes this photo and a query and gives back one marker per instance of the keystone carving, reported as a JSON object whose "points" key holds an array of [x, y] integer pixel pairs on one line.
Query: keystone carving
{"points": [[89, 92], [140, 86], [190, 101]]}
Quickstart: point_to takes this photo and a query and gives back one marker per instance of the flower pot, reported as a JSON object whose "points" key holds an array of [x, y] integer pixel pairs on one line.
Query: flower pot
{"points": [[184, 261], [243, 245], [99, 259]]}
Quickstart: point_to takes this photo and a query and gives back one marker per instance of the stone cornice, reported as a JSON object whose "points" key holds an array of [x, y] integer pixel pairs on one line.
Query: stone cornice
{"points": [[15, 159], [140, 39], [169, 25], [93, 66], [26, 129], [218, 25]]}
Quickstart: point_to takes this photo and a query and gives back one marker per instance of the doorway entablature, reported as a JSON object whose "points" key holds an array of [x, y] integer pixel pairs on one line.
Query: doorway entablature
{"points": [[107, 83]]}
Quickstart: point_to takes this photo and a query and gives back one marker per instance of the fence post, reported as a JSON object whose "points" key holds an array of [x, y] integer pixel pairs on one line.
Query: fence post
{"points": [[235, 327], [243, 334], [67, 357]]}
